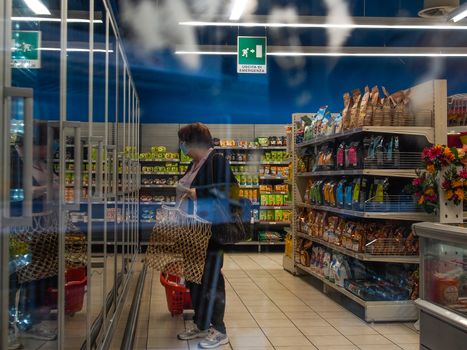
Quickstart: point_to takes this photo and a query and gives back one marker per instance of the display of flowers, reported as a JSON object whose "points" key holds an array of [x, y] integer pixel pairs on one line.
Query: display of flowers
{"points": [[425, 190], [454, 182]]}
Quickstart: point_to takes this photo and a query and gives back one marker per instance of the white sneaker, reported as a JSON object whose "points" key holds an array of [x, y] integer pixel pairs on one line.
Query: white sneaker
{"points": [[192, 333], [214, 339], [39, 332], [13, 342]]}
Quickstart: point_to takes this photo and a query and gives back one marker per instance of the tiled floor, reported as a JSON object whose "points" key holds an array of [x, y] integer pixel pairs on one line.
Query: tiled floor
{"points": [[268, 308]]}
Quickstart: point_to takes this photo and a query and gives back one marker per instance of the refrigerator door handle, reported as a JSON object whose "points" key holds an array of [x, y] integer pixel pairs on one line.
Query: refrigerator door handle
{"points": [[26, 217]]}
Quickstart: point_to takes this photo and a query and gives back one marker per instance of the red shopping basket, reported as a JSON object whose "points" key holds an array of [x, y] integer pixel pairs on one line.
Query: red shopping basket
{"points": [[75, 288], [178, 296]]}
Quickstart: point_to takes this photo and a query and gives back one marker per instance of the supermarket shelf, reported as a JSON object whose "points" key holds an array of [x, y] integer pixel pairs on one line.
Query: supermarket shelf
{"points": [[158, 186], [274, 192], [375, 311], [159, 160], [272, 223], [185, 163], [260, 243], [426, 131], [363, 256], [272, 177], [251, 148], [148, 221], [276, 207], [156, 203], [409, 216], [146, 173], [259, 163], [246, 174], [249, 186], [410, 173], [457, 129]]}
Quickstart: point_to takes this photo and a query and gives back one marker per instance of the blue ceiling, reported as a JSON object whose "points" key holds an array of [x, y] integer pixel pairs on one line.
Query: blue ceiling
{"points": [[214, 92]]}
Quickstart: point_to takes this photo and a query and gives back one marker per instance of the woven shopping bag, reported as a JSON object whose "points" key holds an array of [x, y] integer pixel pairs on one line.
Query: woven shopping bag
{"points": [[178, 243], [42, 240]]}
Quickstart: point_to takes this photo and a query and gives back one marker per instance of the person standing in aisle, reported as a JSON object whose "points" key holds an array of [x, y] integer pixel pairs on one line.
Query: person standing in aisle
{"points": [[207, 171]]}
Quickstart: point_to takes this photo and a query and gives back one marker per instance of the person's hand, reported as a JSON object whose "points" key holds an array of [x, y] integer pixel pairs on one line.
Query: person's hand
{"points": [[191, 193]]}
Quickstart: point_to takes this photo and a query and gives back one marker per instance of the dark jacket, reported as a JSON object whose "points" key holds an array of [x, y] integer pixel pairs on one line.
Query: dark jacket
{"points": [[215, 174]]}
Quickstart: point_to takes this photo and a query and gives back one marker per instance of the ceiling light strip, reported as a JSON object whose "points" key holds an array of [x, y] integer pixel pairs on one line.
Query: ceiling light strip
{"points": [[52, 19], [324, 25], [331, 54]]}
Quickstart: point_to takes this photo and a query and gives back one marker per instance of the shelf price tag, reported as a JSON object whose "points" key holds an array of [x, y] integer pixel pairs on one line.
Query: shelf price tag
{"points": [[251, 54]]}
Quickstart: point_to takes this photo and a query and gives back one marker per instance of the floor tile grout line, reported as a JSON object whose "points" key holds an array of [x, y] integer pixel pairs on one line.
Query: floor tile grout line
{"points": [[247, 306], [313, 311], [283, 311], [274, 277], [239, 297]]}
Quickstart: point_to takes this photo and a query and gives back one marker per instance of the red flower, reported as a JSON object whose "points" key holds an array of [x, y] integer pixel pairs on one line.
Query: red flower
{"points": [[417, 181], [446, 184], [463, 173]]}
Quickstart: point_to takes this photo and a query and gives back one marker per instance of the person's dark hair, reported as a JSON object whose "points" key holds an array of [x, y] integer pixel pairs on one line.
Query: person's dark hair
{"points": [[196, 134]]}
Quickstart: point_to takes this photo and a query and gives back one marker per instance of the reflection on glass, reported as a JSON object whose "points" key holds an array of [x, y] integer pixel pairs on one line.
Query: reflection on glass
{"points": [[446, 275]]}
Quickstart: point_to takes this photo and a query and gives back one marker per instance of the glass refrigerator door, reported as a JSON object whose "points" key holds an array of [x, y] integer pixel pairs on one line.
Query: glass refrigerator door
{"points": [[445, 274]]}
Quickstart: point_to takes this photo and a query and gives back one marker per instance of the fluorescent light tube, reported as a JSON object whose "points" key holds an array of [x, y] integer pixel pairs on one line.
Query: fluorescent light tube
{"points": [[332, 54], [238, 8], [323, 25], [459, 16], [70, 49], [52, 19], [37, 7]]}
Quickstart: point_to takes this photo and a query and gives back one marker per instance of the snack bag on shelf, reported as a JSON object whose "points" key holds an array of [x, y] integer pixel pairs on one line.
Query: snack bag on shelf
{"points": [[364, 106], [336, 127], [387, 109], [355, 109], [402, 113], [345, 125]]}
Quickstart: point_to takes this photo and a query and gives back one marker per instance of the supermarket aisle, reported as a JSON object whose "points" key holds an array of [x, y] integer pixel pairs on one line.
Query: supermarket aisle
{"points": [[268, 308]]}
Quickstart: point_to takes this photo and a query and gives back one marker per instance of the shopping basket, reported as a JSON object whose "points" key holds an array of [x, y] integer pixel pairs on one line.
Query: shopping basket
{"points": [[178, 296], [75, 288], [178, 243]]}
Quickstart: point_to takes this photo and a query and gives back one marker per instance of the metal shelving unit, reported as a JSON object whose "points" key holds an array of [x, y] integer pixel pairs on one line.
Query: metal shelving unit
{"points": [[400, 259], [410, 216], [375, 311], [430, 123]]}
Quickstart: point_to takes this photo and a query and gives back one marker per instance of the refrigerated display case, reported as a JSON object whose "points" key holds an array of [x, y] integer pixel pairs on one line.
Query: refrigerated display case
{"points": [[443, 286]]}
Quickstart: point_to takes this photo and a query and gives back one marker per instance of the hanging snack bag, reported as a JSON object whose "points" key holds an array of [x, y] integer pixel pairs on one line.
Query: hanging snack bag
{"points": [[354, 156], [345, 125], [364, 106], [340, 193], [355, 110], [340, 156], [348, 196]]}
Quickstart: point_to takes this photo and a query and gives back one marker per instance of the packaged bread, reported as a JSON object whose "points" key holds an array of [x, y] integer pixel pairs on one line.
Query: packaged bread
{"points": [[372, 103], [346, 112], [364, 106], [355, 109], [401, 113], [387, 109]]}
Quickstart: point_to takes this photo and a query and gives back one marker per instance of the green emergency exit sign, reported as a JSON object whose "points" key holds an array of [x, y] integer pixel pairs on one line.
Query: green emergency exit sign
{"points": [[25, 49], [251, 54]]}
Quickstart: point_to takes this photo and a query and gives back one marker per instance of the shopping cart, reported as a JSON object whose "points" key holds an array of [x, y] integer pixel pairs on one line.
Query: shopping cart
{"points": [[177, 294], [75, 288]]}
